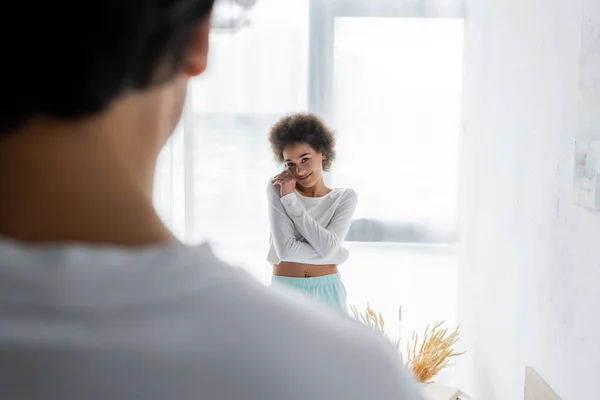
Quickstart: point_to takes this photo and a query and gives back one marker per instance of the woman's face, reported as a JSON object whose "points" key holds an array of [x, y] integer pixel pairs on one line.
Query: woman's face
{"points": [[304, 162]]}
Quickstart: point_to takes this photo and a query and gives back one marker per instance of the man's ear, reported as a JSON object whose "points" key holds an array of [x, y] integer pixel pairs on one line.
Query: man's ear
{"points": [[197, 58]]}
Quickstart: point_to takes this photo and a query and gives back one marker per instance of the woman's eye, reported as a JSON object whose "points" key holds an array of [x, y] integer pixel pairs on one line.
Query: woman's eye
{"points": [[290, 165], [305, 160]]}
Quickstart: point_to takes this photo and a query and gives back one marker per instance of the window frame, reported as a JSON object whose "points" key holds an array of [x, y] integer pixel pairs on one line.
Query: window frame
{"points": [[322, 16]]}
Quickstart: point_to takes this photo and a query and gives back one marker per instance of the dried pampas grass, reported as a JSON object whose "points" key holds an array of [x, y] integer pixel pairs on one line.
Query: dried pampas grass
{"points": [[426, 357], [370, 317], [375, 320], [433, 354]]}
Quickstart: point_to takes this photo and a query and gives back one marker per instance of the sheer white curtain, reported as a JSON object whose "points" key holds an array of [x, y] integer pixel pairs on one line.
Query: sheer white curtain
{"points": [[387, 76], [213, 174]]}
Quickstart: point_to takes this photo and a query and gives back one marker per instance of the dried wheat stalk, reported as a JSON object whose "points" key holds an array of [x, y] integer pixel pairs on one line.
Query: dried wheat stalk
{"points": [[426, 360], [370, 317], [433, 354]]}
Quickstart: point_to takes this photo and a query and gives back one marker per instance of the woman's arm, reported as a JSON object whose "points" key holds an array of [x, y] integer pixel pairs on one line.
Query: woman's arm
{"points": [[288, 248], [325, 241]]}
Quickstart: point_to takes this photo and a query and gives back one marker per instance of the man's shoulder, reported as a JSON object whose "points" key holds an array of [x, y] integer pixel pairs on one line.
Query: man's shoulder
{"points": [[316, 343], [280, 307], [206, 320], [324, 347]]}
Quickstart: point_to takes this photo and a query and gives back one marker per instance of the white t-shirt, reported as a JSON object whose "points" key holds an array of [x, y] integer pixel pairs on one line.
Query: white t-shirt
{"points": [[309, 230], [174, 322]]}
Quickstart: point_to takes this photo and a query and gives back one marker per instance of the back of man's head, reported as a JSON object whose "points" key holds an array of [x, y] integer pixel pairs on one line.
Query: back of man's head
{"points": [[69, 59], [91, 91]]}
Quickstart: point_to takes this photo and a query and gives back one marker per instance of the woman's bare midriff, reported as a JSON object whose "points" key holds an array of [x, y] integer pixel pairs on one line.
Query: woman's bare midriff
{"points": [[298, 270]]}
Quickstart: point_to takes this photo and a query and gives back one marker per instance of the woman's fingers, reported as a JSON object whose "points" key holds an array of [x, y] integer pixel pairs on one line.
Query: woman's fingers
{"points": [[280, 179], [285, 176], [278, 176]]}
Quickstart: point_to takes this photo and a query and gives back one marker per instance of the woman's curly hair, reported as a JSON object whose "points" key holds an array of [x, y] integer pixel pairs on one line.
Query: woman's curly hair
{"points": [[303, 128]]}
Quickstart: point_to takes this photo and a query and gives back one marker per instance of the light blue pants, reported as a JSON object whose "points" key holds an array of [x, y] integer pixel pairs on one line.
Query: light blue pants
{"points": [[328, 289]]}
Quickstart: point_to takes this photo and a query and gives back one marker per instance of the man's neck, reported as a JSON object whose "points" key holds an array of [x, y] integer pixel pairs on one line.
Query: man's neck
{"points": [[76, 187]]}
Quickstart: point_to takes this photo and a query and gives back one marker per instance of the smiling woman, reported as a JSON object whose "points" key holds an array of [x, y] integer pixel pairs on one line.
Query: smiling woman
{"points": [[309, 221]]}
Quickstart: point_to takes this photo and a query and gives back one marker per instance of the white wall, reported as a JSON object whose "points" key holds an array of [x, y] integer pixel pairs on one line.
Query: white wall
{"points": [[530, 272]]}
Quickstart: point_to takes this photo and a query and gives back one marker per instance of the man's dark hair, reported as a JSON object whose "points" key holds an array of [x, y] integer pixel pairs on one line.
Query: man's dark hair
{"points": [[303, 128], [70, 59]]}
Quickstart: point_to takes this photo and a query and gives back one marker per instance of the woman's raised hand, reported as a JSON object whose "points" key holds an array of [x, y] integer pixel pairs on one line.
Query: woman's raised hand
{"points": [[286, 181]]}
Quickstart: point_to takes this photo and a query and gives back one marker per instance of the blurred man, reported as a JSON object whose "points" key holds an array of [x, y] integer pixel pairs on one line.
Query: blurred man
{"points": [[98, 300]]}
